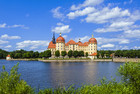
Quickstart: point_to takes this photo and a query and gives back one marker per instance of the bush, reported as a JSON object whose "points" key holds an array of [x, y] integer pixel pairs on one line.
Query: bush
{"points": [[10, 83]]}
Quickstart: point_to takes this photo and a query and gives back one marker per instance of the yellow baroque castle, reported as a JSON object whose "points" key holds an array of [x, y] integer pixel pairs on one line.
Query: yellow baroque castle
{"points": [[90, 47]]}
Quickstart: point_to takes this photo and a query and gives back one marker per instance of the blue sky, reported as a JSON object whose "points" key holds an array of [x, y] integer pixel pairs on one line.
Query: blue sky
{"points": [[28, 24]]}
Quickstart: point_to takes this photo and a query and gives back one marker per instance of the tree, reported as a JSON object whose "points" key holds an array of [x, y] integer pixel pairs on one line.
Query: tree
{"points": [[36, 54], [12, 54], [86, 54], [18, 55], [63, 53], [130, 73], [41, 54], [75, 54], [57, 53], [81, 53], [70, 53], [10, 82], [47, 53]]}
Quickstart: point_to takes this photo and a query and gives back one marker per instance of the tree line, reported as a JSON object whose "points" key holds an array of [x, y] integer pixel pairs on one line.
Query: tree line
{"points": [[70, 53], [46, 54], [118, 53]]}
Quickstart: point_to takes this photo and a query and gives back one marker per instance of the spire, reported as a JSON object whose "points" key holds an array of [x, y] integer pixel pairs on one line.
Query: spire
{"points": [[60, 33], [92, 36], [53, 39], [79, 39]]}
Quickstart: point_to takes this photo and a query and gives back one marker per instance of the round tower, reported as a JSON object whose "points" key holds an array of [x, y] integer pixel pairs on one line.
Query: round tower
{"points": [[92, 45], [60, 43]]}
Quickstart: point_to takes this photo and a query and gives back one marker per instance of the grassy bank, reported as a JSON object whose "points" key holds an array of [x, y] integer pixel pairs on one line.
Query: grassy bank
{"points": [[10, 83]]}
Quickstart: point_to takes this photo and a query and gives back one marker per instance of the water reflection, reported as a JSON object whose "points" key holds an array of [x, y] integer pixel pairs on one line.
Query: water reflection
{"points": [[55, 74]]}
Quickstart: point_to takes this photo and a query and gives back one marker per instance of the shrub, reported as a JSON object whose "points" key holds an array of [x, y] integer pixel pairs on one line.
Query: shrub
{"points": [[10, 83]]}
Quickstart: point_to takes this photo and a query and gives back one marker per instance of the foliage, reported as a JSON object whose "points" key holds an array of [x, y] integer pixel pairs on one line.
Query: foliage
{"points": [[130, 73], [63, 53], [47, 53], [70, 53], [75, 54], [10, 83], [81, 53], [57, 53], [86, 54], [120, 53], [3, 54]]}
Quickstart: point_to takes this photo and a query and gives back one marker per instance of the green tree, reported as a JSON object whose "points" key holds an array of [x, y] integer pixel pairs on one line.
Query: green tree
{"points": [[12, 54], [81, 53], [130, 73], [70, 53], [63, 53], [36, 54], [75, 54], [57, 53], [86, 54], [10, 83], [47, 53]]}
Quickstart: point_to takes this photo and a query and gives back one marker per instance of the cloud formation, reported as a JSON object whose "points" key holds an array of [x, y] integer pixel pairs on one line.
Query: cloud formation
{"points": [[3, 42], [61, 28], [57, 14], [86, 3], [107, 46], [32, 44], [4, 25], [5, 36]]}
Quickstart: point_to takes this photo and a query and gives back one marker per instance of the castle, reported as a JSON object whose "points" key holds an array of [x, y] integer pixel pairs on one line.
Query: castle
{"points": [[90, 47]]}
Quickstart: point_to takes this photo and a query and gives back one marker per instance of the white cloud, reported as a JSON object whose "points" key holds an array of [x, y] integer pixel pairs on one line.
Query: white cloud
{"points": [[8, 46], [32, 44], [83, 39], [107, 45], [4, 25], [83, 12], [136, 47], [87, 3], [3, 42], [101, 40], [61, 29], [106, 14], [57, 14], [121, 24], [128, 2], [5, 36], [131, 34], [60, 24], [65, 36]]}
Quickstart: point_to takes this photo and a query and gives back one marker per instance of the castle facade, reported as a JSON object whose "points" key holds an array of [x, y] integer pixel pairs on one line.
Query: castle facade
{"points": [[90, 46]]}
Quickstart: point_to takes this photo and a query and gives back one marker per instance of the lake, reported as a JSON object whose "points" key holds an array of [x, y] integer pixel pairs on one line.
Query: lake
{"points": [[58, 74]]}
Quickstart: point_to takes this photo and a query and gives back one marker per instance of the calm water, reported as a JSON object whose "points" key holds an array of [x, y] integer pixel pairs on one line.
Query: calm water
{"points": [[51, 75]]}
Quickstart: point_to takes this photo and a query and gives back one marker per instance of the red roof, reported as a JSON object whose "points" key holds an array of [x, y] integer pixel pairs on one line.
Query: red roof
{"points": [[66, 44], [92, 40], [85, 44], [71, 42], [94, 54], [51, 45], [8, 56], [60, 39]]}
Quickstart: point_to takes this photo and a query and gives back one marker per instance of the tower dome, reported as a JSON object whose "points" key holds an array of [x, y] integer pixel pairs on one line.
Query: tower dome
{"points": [[92, 40], [60, 39]]}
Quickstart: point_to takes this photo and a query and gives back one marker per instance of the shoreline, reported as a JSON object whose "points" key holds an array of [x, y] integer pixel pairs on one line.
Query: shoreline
{"points": [[83, 60]]}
